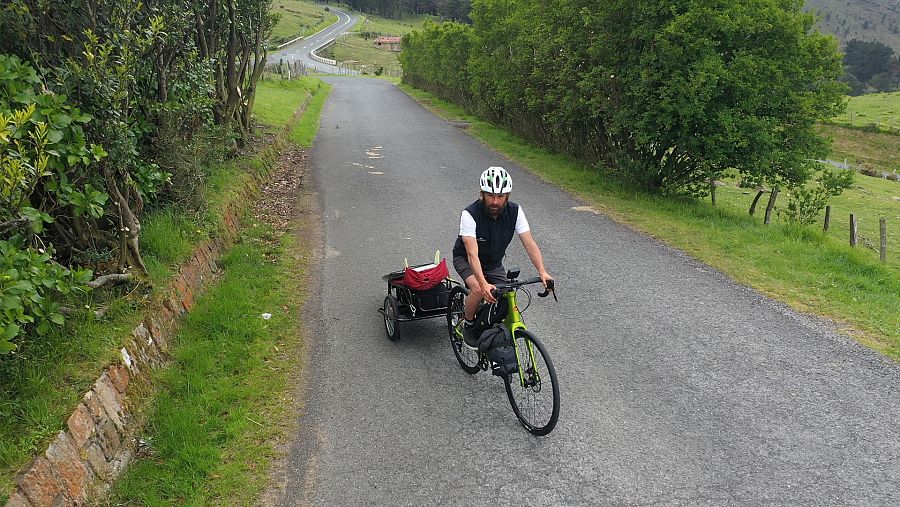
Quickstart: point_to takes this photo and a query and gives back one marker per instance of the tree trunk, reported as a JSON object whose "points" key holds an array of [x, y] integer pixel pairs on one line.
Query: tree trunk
{"points": [[129, 226]]}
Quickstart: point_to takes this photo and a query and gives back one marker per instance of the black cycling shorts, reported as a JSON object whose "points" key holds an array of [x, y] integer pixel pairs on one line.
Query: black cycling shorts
{"points": [[493, 276]]}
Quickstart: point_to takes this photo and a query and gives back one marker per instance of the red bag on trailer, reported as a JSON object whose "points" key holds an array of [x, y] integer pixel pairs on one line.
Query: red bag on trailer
{"points": [[425, 277]]}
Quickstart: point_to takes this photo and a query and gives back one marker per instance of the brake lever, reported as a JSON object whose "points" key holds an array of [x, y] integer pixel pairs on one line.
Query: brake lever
{"points": [[550, 289]]}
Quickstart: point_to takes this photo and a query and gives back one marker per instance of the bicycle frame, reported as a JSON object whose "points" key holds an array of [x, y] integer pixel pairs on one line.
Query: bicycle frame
{"points": [[513, 323]]}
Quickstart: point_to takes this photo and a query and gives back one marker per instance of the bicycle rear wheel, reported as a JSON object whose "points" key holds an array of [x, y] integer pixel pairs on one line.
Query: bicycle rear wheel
{"points": [[468, 359], [535, 395]]}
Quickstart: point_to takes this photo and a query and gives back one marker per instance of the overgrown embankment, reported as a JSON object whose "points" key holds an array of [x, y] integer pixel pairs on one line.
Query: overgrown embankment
{"points": [[226, 404], [42, 387]]}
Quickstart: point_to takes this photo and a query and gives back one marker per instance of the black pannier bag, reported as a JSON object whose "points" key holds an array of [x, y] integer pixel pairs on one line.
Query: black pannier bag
{"points": [[498, 344], [431, 299], [488, 315]]}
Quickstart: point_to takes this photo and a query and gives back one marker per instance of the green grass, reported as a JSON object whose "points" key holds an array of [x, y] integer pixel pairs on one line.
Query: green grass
{"points": [[43, 382], [306, 129], [810, 271], [276, 98], [396, 27], [222, 401], [877, 150], [879, 109], [226, 399], [46, 379], [363, 56], [298, 18]]}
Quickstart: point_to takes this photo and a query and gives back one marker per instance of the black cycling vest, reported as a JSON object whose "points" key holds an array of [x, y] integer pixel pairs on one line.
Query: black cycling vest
{"points": [[493, 235]]}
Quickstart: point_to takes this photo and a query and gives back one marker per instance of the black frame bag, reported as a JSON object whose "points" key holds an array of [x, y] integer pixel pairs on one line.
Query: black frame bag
{"points": [[491, 314]]}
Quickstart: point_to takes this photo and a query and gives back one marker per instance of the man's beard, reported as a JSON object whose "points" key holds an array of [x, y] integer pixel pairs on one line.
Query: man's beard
{"points": [[494, 211]]}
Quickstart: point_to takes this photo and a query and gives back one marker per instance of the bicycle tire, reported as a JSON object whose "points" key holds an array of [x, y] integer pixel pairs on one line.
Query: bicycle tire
{"points": [[391, 312], [469, 360], [523, 399]]}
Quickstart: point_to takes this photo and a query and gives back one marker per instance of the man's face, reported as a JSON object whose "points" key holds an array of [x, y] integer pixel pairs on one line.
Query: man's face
{"points": [[494, 203]]}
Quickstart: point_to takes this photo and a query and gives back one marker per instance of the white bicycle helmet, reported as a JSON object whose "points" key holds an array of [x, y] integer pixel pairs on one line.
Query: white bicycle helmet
{"points": [[495, 180]]}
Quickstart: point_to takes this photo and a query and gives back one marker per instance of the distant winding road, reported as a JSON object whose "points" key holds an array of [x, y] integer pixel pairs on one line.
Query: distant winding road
{"points": [[299, 50]]}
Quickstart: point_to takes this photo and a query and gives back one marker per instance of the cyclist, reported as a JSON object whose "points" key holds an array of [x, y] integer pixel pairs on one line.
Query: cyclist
{"points": [[486, 228]]}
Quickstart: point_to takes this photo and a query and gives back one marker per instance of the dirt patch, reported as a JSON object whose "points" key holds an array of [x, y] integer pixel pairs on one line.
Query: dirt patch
{"points": [[277, 205]]}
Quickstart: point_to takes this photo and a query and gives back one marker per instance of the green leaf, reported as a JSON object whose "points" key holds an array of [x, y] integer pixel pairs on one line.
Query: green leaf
{"points": [[6, 347], [9, 332], [61, 120], [57, 319], [54, 136]]}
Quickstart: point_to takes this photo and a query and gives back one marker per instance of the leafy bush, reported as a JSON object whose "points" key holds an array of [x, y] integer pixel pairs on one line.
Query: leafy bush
{"points": [[30, 283], [805, 203]]}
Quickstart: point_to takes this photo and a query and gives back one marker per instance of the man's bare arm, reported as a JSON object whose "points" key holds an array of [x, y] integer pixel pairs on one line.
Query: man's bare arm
{"points": [[534, 253], [472, 254]]}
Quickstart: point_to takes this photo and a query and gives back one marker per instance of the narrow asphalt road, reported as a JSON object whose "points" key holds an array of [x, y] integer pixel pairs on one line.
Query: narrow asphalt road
{"points": [[679, 387], [300, 49]]}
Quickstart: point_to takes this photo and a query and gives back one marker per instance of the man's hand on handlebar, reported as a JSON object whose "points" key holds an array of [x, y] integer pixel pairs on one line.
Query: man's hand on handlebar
{"points": [[487, 291], [547, 280], [548, 288]]}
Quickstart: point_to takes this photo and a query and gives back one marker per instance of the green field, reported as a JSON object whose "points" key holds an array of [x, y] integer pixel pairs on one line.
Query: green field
{"points": [[876, 111], [298, 18], [860, 148], [362, 55], [384, 26]]}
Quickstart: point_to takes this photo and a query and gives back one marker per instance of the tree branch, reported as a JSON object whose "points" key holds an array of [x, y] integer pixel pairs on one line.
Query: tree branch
{"points": [[100, 281]]}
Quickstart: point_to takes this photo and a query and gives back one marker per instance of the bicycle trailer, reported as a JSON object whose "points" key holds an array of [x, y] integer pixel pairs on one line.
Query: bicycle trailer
{"points": [[416, 293]]}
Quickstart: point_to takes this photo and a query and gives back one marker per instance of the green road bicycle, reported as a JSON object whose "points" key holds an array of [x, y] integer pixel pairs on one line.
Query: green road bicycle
{"points": [[532, 389]]}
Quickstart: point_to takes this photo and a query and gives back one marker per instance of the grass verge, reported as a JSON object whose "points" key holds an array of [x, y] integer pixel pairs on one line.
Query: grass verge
{"points": [[226, 400], [222, 402], [800, 266], [46, 379]]}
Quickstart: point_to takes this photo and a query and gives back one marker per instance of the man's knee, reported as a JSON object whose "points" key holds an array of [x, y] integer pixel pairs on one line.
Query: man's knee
{"points": [[474, 288]]}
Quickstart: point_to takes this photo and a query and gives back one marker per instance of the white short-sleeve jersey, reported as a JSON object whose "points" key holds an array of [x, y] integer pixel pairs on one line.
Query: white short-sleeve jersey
{"points": [[467, 224]]}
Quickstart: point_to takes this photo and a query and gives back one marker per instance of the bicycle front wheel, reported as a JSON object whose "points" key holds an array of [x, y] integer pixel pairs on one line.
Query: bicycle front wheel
{"points": [[534, 395]]}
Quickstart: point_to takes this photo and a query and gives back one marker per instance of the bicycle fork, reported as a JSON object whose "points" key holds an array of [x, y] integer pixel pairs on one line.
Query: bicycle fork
{"points": [[513, 323]]}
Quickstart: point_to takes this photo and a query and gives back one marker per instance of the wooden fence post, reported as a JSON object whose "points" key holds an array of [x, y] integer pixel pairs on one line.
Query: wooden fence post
{"points": [[759, 193], [771, 205], [883, 250], [827, 217], [852, 230]]}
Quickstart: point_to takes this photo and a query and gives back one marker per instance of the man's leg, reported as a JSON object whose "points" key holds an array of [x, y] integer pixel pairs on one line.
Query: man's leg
{"points": [[473, 299]]}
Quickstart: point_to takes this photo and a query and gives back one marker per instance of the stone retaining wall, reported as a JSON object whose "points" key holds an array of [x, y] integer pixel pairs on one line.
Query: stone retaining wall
{"points": [[86, 458]]}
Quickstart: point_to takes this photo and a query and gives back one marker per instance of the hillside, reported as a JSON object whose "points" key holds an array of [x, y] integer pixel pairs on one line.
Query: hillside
{"points": [[860, 19]]}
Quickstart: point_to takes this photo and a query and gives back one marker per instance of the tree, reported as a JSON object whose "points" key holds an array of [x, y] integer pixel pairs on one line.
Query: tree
{"points": [[864, 59], [668, 93]]}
